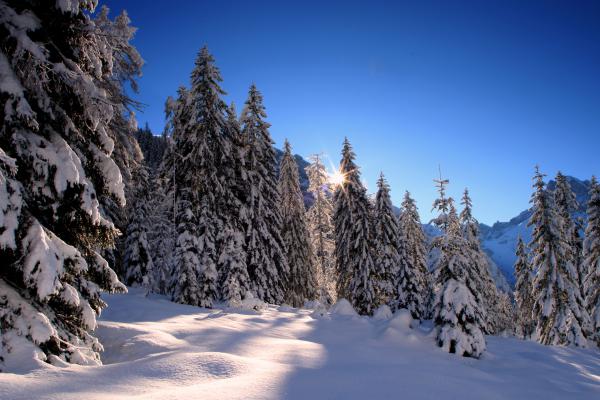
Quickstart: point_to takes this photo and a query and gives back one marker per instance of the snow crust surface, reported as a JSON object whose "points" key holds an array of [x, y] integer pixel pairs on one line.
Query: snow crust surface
{"points": [[155, 349]]}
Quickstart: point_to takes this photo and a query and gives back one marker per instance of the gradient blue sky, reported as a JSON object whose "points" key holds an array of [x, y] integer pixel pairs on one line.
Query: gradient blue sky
{"points": [[486, 89]]}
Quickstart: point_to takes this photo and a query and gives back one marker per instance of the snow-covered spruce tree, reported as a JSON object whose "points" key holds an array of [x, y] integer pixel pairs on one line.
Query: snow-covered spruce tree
{"points": [[468, 223], [353, 237], [386, 240], [208, 147], [523, 292], [183, 284], [458, 315], [234, 280], [55, 163], [301, 283], [591, 258], [186, 261], [320, 226], [164, 231], [208, 276], [558, 310], [152, 146], [566, 206], [486, 293], [413, 280], [161, 235], [441, 205], [266, 262], [126, 68], [199, 149], [505, 314], [138, 265]]}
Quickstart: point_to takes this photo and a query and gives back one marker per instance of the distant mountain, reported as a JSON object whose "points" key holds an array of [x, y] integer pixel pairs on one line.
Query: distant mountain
{"points": [[500, 240]]}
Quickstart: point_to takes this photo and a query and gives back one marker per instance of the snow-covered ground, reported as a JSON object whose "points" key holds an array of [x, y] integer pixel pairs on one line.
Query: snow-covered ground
{"points": [[155, 349]]}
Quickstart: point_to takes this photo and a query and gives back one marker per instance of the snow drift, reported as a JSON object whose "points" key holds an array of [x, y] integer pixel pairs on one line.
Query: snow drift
{"points": [[155, 349]]}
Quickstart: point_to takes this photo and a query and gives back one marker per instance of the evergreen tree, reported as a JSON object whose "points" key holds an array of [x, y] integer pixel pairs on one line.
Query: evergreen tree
{"points": [[413, 281], [208, 225], [162, 236], [524, 292], [163, 233], [469, 225], [153, 147], [139, 268], [183, 285], [486, 293], [126, 68], [199, 150], [353, 237], [591, 258], [186, 261], [566, 206], [320, 226], [207, 145], [301, 283], [505, 314], [458, 315], [386, 246], [234, 279], [442, 205], [558, 311], [266, 262], [55, 166]]}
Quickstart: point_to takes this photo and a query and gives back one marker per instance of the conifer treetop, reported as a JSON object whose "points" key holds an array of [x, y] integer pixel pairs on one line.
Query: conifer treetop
{"points": [[442, 204]]}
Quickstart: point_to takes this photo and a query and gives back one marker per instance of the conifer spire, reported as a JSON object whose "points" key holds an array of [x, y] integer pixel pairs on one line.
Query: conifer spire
{"points": [[386, 242], [566, 205], [354, 236], [591, 258], [524, 291], [266, 261], [558, 308], [302, 282], [458, 315], [320, 225], [413, 280]]}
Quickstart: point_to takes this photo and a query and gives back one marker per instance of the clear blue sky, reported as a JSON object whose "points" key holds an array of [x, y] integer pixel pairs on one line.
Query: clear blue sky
{"points": [[487, 89]]}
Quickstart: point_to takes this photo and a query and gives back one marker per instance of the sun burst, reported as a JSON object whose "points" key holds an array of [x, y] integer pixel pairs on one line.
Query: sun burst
{"points": [[337, 178]]}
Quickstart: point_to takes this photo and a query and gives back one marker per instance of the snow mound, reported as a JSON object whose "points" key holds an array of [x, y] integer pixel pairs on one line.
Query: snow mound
{"points": [[285, 308], [402, 320], [130, 342], [400, 332], [250, 303], [382, 313], [313, 305], [192, 367], [343, 307], [320, 313]]}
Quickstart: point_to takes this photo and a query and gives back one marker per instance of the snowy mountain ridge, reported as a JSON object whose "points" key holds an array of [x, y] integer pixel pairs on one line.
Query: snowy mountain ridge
{"points": [[500, 240]]}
